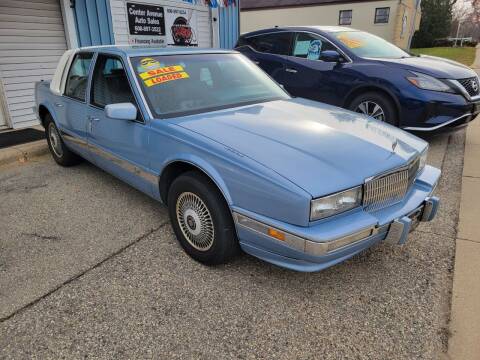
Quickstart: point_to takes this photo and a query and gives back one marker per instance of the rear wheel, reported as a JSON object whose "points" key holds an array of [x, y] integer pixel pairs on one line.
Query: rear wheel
{"points": [[376, 105], [61, 154], [201, 219]]}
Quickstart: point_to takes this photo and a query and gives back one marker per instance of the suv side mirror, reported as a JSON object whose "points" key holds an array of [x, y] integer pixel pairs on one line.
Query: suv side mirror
{"points": [[121, 111], [330, 56]]}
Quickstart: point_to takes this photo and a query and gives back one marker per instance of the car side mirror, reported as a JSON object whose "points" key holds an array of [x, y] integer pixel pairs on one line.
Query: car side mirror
{"points": [[121, 111], [330, 56]]}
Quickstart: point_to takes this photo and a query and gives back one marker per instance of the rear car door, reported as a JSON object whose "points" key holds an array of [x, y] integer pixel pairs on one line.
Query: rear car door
{"points": [[307, 75], [71, 111], [268, 51], [118, 146]]}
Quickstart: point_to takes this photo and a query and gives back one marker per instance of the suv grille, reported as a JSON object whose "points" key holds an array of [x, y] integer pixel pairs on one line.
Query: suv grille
{"points": [[389, 189], [471, 85]]}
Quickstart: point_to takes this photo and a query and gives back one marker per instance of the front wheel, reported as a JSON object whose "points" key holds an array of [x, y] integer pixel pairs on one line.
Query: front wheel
{"points": [[376, 105], [201, 219]]}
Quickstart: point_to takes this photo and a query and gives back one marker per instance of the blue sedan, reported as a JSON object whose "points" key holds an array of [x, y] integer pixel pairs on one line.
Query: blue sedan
{"points": [[238, 162], [364, 73]]}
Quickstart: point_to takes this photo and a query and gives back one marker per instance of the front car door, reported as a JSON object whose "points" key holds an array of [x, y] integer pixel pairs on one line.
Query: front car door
{"points": [[307, 75], [118, 146], [268, 51], [72, 110]]}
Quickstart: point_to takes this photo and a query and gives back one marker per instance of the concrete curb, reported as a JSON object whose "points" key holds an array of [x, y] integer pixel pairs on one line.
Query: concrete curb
{"points": [[23, 152], [476, 62], [464, 342]]}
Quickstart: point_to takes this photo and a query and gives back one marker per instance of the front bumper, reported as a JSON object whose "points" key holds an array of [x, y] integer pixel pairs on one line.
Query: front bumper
{"points": [[439, 112], [322, 245]]}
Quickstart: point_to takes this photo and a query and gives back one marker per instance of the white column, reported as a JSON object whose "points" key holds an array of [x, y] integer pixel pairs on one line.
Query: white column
{"points": [[69, 24]]}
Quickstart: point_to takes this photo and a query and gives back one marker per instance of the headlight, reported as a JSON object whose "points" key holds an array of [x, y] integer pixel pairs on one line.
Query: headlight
{"points": [[335, 203], [427, 82], [423, 159]]}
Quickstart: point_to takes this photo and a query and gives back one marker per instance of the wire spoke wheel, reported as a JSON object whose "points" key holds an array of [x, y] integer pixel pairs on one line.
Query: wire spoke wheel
{"points": [[55, 141], [195, 221], [372, 109]]}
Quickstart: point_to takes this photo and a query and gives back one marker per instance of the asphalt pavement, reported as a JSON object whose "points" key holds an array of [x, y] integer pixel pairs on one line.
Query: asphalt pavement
{"points": [[90, 268]]}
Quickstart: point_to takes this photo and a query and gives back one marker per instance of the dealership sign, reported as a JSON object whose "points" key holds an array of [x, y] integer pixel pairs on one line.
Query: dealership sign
{"points": [[151, 25]]}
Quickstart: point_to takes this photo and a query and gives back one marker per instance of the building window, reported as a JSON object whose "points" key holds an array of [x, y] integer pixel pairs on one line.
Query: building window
{"points": [[345, 17], [381, 15]]}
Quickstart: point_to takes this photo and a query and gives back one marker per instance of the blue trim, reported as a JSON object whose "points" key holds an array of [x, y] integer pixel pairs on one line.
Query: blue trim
{"points": [[94, 26], [229, 25], [81, 19], [92, 29], [110, 21]]}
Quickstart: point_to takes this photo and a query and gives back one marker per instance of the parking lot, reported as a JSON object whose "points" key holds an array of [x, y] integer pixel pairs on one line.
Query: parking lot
{"points": [[89, 267]]}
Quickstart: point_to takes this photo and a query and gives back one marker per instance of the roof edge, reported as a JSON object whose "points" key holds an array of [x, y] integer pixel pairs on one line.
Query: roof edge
{"points": [[249, 5]]}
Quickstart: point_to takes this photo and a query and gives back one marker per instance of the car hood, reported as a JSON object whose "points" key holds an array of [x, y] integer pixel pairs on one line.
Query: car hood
{"points": [[320, 148], [433, 66]]}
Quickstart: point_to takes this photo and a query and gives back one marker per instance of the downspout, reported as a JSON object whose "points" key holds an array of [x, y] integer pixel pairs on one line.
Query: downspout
{"points": [[414, 20]]}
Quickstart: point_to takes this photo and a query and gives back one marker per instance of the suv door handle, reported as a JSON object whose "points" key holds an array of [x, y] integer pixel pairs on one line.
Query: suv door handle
{"points": [[290, 70], [92, 118], [256, 62], [58, 104]]}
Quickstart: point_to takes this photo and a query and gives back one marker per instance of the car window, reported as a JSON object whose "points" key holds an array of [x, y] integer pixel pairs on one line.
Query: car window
{"points": [[277, 43], [77, 79], [310, 46], [176, 85], [110, 83]]}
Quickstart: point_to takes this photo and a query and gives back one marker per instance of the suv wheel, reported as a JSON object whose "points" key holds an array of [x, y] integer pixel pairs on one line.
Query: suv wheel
{"points": [[376, 105]]}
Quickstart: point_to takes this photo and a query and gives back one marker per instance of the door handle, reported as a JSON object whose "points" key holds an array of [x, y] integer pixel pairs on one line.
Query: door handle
{"points": [[256, 62], [92, 119], [290, 70], [58, 104]]}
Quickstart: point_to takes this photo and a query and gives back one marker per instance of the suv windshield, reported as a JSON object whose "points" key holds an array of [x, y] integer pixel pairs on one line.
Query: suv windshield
{"points": [[176, 85], [367, 45]]}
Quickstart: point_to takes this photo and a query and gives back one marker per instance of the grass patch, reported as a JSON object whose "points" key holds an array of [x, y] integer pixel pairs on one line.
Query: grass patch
{"points": [[464, 55]]}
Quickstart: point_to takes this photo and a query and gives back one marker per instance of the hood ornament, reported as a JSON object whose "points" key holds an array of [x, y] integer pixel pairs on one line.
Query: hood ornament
{"points": [[394, 145]]}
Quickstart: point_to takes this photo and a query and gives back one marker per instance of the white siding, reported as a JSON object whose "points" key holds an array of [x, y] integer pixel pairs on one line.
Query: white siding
{"points": [[363, 15], [32, 39], [120, 22]]}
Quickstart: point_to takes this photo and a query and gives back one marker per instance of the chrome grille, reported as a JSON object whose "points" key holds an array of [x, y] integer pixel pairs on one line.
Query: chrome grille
{"points": [[389, 189], [471, 85]]}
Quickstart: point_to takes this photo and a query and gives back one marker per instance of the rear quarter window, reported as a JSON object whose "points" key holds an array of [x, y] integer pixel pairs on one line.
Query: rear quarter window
{"points": [[77, 79], [275, 43]]}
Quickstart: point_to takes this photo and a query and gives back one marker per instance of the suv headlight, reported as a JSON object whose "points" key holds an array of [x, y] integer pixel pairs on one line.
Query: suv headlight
{"points": [[423, 159], [427, 82], [336, 203]]}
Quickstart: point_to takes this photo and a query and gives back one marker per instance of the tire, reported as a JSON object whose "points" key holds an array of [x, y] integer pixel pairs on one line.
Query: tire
{"points": [[201, 219], [375, 98], [60, 153]]}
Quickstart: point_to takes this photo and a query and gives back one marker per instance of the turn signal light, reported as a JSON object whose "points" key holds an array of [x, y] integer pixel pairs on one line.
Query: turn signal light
{"points": [[276, 234]]}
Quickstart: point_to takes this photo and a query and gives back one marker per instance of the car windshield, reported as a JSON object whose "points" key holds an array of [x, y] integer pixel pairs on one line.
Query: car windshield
{"points": [[368, 45], [176, 85]]}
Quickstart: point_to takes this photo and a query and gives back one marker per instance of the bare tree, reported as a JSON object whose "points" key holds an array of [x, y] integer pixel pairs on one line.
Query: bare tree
{"points": [[466, 19]]}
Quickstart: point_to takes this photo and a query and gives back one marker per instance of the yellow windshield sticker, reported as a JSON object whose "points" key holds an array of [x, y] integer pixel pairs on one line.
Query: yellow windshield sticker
{"points": [[165, 78], [148, 64], [351, 43], [160, 71]]}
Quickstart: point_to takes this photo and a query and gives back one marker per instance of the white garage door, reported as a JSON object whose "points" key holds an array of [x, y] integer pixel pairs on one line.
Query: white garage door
{"points": [[32, 39]]}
